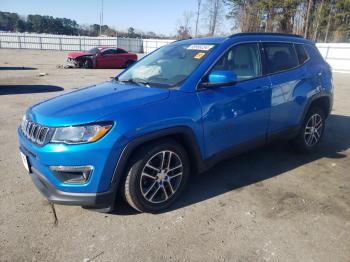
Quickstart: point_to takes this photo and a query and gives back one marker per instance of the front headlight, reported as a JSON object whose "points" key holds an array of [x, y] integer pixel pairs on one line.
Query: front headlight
{"points": [[80, 134]]}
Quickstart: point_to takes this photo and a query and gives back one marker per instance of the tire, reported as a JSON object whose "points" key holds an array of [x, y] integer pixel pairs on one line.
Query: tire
{"points": [[311, 131], [88, 64], [150, 186], [128, 63]]}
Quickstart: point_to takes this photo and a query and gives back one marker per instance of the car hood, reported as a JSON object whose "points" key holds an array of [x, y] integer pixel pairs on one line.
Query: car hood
{"points": [[92, 103], [74, 55]]}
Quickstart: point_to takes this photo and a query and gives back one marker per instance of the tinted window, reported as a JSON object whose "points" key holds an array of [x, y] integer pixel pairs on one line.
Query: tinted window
{"points": [[314, 53], [280, 57], [301, 52], [121, 51], [109, 52], [243, 60]]}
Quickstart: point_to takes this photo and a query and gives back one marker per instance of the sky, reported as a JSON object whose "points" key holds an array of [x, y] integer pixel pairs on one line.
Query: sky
{"points": [[160, 16]]}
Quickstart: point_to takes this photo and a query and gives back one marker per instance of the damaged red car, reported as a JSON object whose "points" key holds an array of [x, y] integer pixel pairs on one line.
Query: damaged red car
{"points": [[102, 57]]}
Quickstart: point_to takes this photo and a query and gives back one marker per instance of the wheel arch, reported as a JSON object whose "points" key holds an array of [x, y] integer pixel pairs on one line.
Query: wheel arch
{"points": [[181, 134], [322, 100]]}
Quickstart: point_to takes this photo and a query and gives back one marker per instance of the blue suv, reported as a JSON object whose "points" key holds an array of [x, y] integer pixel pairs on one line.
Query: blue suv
{"points": [[177, 111]]}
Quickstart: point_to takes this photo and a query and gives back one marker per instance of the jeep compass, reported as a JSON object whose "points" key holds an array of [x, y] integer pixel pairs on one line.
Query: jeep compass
{"points": [[177, 111]]}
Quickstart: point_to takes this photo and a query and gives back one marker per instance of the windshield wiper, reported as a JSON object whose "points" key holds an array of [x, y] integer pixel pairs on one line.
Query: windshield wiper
{"points": [[136, 81]]}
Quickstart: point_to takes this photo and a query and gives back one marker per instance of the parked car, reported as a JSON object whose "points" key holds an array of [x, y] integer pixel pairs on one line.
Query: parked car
{"points": [[102, 57], [177, 111]]}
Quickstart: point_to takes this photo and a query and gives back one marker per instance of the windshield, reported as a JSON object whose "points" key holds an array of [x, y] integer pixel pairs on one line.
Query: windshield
{"points": [[93, 50], [169, 66]]}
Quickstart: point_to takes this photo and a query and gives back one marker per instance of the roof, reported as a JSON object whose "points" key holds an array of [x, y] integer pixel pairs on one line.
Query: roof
{"points": [[204, 40], [265, 34], [261, 36], [255, 36]]}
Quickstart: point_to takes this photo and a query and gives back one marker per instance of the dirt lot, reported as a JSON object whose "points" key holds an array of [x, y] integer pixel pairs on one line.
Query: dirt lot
{"points": [[267, 205]]}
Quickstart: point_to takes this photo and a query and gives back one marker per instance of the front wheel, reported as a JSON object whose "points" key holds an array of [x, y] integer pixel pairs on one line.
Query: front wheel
{"points": [[88, 64], [311, 131], [156, 176]]}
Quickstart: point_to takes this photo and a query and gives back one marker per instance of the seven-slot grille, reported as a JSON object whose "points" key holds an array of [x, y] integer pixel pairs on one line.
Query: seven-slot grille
{"points": [[34, 132]]}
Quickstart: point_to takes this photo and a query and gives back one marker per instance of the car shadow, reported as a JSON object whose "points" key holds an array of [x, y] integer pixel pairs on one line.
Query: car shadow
{"points": [[258, 165], [17, 68], [28, 89]]}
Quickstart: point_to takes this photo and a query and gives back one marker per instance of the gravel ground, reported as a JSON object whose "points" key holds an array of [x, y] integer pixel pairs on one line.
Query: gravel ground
{"points": [[266, 205]]}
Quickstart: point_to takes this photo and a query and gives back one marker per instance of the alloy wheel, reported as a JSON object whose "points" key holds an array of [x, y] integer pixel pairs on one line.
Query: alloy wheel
{"points": [[313, 130], [161, 176]]}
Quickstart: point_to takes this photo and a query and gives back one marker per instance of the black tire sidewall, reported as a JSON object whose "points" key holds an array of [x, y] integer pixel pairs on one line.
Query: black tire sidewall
{"points": [[128, 63], [88, 64], [300, 140], [135, 175]]}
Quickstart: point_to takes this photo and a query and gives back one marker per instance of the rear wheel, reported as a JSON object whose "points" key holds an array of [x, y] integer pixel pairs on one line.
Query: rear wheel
{"points": [[128, 63], [311, 131], [156, 176]]}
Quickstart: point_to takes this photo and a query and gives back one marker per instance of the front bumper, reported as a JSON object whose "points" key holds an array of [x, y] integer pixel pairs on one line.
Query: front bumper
{"points": [[93, 200]]}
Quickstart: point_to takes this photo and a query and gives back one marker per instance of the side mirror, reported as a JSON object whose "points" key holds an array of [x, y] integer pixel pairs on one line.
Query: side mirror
{"points": [[220, 78]]}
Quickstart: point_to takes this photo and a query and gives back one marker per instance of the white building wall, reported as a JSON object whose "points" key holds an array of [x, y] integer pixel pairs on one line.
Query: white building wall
{"points": [[336, 54]]}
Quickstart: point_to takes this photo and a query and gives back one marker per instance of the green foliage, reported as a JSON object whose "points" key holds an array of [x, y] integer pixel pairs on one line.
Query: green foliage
{"points": [[12, 22], [38, 24], [328, 19]]}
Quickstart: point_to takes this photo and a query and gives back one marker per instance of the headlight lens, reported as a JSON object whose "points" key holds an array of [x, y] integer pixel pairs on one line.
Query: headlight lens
{"points": [[80, 134]]}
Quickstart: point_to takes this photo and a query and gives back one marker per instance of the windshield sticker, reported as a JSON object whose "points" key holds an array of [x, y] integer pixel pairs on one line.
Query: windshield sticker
{"points": [[199, 55], [200, 47]]}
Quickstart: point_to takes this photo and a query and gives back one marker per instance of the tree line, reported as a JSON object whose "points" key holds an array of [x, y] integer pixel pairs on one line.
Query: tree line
{"points": [[12, 22], [319, 20]]}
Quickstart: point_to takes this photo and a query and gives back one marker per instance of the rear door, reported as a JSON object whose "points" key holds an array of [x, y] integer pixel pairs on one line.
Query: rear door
{"points": [[237, 114], [287, 78], [123, 57]]}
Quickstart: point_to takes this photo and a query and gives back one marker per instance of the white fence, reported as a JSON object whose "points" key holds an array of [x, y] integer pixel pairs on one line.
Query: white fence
{"points": [[337, 55], [77, 43]]}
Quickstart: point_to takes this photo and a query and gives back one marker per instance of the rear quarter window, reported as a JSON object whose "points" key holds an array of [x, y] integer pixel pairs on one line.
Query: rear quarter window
{"points": [[121, 51], [301, 53], [314, 54], [280, 57]]}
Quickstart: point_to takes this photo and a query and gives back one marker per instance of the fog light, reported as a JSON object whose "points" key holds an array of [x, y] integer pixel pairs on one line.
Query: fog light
{"points": [[72, 174]]}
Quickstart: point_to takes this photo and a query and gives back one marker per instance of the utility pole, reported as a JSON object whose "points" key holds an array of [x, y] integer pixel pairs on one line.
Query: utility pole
{"points": [[101, 17]]}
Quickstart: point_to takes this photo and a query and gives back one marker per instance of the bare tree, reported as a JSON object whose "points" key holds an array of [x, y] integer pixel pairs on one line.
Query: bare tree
{"points": [[318, 18], [199, 3], [184, 25], [329, 22], [307, 17], [215, 11]]}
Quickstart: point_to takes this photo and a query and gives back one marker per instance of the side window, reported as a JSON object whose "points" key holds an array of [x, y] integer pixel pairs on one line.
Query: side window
{"points": [[314, 53], [301, 52], [243, 60], [109, 52], [121, 51], [280, 57]]}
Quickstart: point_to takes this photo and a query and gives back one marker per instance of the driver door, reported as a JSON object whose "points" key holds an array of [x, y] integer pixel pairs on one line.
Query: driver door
{"points": [[238, 114]]}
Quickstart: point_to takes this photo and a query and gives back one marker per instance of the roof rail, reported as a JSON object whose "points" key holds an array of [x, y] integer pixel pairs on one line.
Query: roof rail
{"points": [[263, 33]]}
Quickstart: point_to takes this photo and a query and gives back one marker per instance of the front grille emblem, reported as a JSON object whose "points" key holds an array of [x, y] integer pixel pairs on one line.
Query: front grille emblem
{"points": [[34, 132]]}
